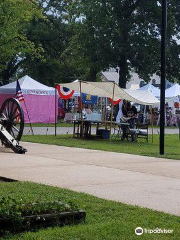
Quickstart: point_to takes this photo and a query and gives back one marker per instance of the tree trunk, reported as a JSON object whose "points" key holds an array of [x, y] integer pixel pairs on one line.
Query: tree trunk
{"points": [[10, 70], [123, 72], [92, 75]]}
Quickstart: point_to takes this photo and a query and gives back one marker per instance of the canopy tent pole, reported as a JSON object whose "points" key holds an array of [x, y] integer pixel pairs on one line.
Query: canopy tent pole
{"points": [[112, 106], [105, 109], [55, 111], [49, 117], [81, 130], [144, 115], [152, 119], [29, 118]]}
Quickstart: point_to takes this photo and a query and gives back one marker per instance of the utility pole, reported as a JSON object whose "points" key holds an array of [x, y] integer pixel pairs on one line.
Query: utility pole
{"points": [[163, 74]]}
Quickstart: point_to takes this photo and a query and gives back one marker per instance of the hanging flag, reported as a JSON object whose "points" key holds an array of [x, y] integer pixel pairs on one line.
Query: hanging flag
{"points": [[89, 99], [114, 102], [64, 93], [19, 94]]}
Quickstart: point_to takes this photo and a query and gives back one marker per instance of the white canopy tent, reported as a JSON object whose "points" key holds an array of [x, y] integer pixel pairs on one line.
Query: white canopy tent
{"points": [[28, 86], [39, 99], [149, 87], [173, 91], [112, 90]]}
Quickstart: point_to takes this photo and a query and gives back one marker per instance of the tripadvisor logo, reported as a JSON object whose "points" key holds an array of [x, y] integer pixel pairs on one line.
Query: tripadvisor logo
{"points": [[138, 231]]}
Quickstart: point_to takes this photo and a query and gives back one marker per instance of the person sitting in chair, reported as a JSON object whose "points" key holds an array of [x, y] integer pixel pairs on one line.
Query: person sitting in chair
{"points": [[132, 113], [129, 115]]}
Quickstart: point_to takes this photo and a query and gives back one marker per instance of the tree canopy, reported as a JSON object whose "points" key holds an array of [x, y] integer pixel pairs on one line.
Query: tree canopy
{"points": [[59, 41], [126, 34], [15, 16]]}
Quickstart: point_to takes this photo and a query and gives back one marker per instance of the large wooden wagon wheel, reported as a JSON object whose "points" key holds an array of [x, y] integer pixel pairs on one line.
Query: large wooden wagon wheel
{"points": [[13, 117]]}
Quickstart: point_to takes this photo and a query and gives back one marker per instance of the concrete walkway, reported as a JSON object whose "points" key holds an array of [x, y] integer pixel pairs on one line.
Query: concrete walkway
{"points": [[148, 182], [69, 130]]}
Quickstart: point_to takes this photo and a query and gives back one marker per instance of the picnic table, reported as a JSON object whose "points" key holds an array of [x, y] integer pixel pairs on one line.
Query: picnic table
{"points": [[83, 127]]}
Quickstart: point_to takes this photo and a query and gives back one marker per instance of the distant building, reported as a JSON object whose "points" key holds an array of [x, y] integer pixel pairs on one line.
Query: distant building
{"points": [[135, 82]]}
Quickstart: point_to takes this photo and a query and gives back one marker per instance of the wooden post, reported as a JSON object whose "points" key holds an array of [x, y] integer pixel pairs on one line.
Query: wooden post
{"points": [[112, 105]]}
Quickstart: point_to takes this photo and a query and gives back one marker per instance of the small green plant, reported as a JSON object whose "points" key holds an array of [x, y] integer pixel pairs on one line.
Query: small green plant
{"points": [[10, 207], [15, 210]]}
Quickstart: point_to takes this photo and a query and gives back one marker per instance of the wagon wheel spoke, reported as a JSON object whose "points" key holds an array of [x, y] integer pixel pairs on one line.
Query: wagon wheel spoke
{"points": [[11, 109], [12, 133], [15, 128], [6, 112], [14, 117], [14, 112]]}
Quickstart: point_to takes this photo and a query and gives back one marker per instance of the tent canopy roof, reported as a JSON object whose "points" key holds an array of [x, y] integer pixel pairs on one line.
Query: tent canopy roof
{"points": [[106, 89], [149, 87], [173, 91], [28, 86]]}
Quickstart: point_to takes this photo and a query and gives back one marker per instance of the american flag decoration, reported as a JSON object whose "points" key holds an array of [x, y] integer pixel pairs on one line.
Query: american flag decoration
{"points": [[64, 93], [19, 92]]}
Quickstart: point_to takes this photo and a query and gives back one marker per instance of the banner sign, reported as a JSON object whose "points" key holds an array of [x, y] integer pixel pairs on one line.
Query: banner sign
{"points": [[36, 92], [89, 99]]}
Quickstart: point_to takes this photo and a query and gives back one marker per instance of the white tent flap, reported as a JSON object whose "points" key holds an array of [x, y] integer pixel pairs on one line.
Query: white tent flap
{"points": [[106, 89], [28, 86]]}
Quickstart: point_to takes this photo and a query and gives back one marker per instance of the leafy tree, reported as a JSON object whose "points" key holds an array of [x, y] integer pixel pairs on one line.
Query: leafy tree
{"points": [[126, 34], [54, 35], [15, 16]]}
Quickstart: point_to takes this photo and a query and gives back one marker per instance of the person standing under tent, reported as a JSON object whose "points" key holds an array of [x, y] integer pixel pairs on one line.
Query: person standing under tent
{"points": [[124, 119], [120, 113], [84, 113]]}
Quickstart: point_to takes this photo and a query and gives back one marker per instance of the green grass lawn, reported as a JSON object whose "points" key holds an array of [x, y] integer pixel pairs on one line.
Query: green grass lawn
{"points": [[106, 220], [172, 144]]}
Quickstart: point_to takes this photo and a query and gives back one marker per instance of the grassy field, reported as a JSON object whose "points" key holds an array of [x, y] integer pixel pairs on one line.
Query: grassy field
{"points": [[172, 143], [106, 220]]}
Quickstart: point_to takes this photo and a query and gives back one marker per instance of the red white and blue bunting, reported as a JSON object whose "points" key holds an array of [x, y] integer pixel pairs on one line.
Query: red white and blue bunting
{"points": [[114, 102], [64, 93]]}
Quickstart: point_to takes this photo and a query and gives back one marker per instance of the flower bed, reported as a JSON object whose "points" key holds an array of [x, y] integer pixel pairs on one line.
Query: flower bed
{"points": [[16, 216]]}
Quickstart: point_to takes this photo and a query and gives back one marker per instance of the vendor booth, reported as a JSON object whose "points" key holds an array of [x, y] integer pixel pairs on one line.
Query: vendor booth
{"points": [[109, 90], [113, 91], [39, 99]]}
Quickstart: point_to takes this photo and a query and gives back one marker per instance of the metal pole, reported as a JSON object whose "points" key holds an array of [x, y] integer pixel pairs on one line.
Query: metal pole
{"points": [[163, 74], [55, 111], [28, 118]]}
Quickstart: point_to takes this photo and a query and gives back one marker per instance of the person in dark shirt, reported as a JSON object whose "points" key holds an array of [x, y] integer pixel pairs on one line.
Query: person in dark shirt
{"points": [[132, 113], [129, 115]]}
